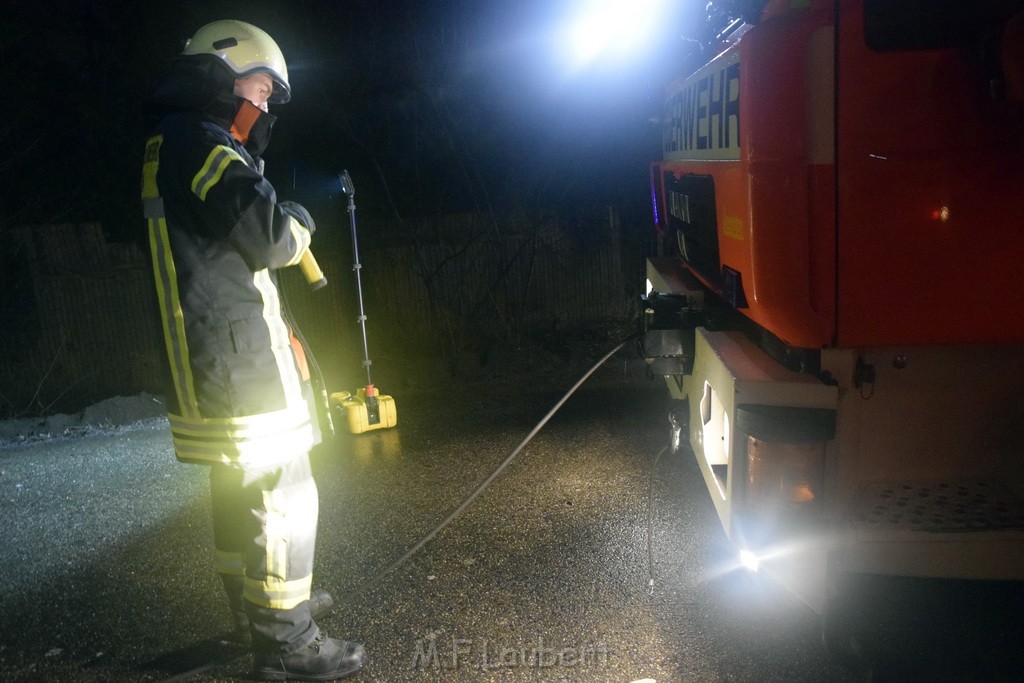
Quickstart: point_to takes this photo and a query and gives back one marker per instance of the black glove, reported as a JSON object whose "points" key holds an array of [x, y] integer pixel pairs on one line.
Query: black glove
{"points": [[299, 213]]}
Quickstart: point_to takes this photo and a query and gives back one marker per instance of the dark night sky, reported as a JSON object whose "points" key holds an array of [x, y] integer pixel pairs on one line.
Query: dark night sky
{"points": [[434, 107]]}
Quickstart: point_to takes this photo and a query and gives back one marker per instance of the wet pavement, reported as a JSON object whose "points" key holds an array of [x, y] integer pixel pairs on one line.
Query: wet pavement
{"points": [[547, 576]]}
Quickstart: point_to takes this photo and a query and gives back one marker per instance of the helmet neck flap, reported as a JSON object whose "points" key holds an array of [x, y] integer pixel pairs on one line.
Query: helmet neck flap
{"points": [[199, 83]]}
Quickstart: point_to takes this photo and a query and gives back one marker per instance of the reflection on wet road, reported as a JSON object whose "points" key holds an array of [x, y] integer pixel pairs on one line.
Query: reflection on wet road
{"points": [[546, 576]]}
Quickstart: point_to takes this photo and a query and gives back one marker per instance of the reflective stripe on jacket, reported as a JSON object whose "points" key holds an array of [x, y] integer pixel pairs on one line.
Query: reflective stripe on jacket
{"points": [[216, 236]]}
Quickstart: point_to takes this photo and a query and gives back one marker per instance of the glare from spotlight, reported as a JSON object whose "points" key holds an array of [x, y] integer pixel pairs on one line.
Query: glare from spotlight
{"points": [[612, 26], [766, 558], [749, 560]]}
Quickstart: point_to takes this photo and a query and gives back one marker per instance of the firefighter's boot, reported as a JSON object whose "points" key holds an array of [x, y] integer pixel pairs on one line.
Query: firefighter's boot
{"points": [[320, 604], [323, 659]]}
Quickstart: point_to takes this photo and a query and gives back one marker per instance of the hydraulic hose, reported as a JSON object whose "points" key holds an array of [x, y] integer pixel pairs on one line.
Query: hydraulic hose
{"points": [[360, 590]]}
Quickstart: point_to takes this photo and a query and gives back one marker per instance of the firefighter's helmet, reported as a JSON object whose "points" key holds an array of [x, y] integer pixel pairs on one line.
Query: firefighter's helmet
{"points": [[245, 50]]}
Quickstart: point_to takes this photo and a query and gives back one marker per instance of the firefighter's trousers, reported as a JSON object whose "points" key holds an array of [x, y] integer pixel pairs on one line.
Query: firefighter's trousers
{"points": [[264, 528]]}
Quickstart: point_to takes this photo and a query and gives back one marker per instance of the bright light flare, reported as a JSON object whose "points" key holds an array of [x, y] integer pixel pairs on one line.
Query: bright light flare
{"points": [[613, 27], [804, 549], [749, 560]]}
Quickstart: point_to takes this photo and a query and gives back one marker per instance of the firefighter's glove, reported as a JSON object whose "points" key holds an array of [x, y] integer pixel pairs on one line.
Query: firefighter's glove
{"points": [[299, 213]]}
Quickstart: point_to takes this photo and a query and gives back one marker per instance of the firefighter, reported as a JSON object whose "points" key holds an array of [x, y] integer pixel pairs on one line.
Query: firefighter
{"points": [[239, 399]]}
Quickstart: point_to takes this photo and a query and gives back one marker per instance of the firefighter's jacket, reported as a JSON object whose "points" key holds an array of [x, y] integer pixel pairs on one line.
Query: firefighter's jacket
{"points": [[216, 235]]}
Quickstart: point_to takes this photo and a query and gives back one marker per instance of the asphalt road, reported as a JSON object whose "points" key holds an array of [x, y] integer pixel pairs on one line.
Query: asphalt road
{"points": [[107, 553]]}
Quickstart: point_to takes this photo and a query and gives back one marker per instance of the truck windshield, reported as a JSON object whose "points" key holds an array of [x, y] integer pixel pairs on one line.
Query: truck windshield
{"points": [[933, 24]]}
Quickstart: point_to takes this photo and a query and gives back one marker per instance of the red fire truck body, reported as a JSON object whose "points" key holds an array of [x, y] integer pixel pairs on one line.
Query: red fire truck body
{"points": [[839, 306]]}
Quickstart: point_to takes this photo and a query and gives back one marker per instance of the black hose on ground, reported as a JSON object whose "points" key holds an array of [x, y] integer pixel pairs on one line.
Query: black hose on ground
{"points": [[486, 482]]}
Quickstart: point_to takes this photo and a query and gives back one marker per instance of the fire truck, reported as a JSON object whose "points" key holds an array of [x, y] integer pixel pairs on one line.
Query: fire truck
{"points": [[837, 306]]}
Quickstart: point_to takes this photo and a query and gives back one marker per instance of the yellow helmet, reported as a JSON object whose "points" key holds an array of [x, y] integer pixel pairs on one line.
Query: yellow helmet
{"points": [[245, 50]]}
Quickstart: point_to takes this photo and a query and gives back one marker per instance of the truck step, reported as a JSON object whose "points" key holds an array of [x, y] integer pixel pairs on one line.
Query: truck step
{"points": [[937, 507]]}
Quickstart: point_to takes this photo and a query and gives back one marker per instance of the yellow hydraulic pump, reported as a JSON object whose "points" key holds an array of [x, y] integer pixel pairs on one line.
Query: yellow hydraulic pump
{"points": [[366, 410]]}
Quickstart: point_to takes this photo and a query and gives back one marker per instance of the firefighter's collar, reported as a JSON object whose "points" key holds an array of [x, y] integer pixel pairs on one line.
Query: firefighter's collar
{"points": [[246, 122], [251, 126]]}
